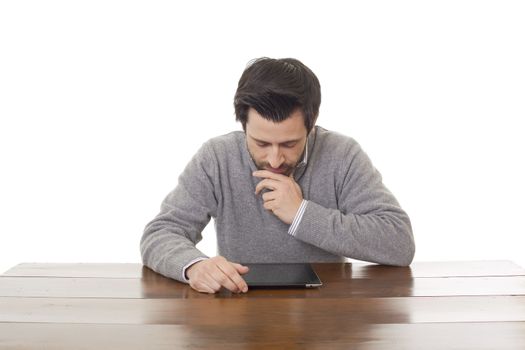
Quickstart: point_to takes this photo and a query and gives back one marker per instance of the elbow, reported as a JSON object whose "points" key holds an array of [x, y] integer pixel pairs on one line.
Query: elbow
{"points": [[402, 257], [145, 247], [401, 248], [407, 254], [407, 247], [143, 251]]}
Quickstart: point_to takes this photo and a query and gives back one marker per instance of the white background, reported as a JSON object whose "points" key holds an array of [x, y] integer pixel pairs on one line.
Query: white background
{"points": [[102, 103]]}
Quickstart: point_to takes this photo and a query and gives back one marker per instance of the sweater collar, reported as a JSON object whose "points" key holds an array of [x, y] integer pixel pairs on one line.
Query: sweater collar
{"points": [[303, 164]]}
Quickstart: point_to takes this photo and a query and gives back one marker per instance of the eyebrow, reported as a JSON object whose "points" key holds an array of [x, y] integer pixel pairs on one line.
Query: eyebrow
{"points": [[281, 143]]}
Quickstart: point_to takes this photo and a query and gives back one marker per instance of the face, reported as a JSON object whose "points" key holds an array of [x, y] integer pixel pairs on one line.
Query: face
{"points": [[276, 147]]}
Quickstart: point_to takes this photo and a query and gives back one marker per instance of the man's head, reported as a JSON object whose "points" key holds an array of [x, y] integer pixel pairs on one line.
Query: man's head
{"points": [[277, 102], [275, 88]]}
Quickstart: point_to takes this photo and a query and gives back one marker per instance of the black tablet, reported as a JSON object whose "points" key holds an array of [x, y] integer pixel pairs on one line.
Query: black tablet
{"points": [[282, 275]]}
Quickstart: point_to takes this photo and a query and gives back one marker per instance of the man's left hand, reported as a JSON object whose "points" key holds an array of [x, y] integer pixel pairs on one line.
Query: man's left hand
{"points": [[284, 196]]}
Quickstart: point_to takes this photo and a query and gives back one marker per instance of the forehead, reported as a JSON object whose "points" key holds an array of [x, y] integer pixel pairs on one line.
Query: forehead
{"points": [[292, 128]]}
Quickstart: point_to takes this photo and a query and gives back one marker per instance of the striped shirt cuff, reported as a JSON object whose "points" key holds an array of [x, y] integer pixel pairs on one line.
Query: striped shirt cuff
{"points": [[184, 278], [298, 217]]}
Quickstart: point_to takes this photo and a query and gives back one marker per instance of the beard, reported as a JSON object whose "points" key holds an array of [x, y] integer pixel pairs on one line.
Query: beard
{"points": [[285, 168]]}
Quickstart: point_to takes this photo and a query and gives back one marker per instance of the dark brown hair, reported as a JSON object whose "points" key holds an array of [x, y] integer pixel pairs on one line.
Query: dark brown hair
{"points": [[275, 88]]}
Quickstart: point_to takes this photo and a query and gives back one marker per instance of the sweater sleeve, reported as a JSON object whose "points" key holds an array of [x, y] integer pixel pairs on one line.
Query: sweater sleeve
{"points": [[368, 223], [168, 242]]}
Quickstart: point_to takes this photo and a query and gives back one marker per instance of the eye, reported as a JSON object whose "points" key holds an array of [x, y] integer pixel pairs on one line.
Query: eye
{"points": [[289, 144], [262, 144]]}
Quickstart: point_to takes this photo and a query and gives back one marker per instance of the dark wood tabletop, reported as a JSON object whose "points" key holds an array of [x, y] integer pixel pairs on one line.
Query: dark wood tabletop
{"points": [[429, 305]]}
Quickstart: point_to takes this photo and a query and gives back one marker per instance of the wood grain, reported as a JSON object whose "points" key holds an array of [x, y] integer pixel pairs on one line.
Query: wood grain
{"points": [[429, 336], [235, 311], [344, 288], [453, 305]]}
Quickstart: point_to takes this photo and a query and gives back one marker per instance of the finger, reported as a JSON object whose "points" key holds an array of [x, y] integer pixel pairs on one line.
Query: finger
{"points": [[241, 283], [269, 175], [241, 268], [213, 282], [269, 196], [201, 286], [269, 205], [227, 283], [222, 279], [262, 185], [233, 276], [208, 290], [205, 278], [234, 270], [268, 184]]}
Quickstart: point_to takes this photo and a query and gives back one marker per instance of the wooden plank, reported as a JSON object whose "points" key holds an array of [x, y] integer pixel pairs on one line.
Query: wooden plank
{"points": [[353, 270], [100, 270], [443, 269], [480, 336], [239, 311], [166, 288]]}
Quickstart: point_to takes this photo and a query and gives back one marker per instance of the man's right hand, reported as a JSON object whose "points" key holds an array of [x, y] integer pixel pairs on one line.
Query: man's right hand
{"points": [[208, 276]]}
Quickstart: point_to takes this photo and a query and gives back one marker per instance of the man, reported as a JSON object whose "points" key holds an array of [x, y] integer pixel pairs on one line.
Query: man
{"points": [[284, 190]]}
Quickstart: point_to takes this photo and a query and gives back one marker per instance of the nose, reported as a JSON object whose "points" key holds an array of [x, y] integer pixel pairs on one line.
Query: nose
{"points": [[275, 158]]}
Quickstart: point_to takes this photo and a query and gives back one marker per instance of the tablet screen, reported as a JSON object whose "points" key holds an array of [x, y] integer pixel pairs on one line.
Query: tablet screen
{"points": [[281, 275]]}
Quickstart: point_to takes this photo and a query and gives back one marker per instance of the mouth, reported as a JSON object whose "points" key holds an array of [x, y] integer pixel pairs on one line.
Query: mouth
{"points": [[276, 171]]}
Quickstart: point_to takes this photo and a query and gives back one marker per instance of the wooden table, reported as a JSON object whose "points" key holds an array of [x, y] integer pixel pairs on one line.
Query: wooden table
{"points": [[453, 305]]}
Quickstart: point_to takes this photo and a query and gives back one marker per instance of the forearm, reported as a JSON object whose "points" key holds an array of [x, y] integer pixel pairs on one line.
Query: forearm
{"points": [[383, 237], [168, 242], [166, 249]]}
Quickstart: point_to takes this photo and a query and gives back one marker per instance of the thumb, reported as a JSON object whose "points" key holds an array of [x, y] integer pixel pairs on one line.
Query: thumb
{"points": [[240, 268]]}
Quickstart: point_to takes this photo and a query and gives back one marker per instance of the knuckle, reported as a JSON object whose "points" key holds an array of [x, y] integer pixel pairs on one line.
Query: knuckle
{"points": [[216, 260]]}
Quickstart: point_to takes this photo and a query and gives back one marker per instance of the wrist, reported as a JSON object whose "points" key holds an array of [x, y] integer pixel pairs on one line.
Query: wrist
{"points": [[298, 217], [186, 270]]}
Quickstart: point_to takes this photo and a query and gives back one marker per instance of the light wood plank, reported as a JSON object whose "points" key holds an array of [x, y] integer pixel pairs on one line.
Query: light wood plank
{"points": [[99, 270]]}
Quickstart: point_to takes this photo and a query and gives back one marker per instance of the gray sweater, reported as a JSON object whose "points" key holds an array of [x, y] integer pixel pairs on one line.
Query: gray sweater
{"points": [[350, 213]]}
